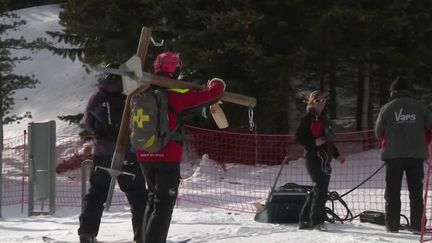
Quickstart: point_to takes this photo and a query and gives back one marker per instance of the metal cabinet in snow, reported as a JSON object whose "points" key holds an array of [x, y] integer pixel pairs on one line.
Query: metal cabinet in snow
{"points": [[42, 162]]}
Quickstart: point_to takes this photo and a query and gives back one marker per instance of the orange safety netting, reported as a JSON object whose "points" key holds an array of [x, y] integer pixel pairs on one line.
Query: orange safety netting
{"points": [[222, 169]]}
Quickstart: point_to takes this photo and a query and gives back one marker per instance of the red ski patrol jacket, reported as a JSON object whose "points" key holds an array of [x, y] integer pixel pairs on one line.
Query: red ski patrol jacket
{"points": [[181, 100]]}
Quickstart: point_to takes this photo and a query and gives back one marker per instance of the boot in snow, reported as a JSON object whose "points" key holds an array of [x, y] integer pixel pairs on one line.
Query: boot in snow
{"points": [[321, 227], [87, 239]]}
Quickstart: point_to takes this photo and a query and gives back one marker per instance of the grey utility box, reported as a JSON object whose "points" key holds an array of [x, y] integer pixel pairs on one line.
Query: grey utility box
{"points": [[42, 162]]}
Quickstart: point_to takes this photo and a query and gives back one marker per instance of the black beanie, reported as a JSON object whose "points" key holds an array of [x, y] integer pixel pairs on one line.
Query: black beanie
{"points": [[401, 83]]}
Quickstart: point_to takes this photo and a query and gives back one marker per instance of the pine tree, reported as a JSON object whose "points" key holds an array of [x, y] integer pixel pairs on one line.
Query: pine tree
{"points": [[101, 35], [361, 46], [254, 45], [268, 49], [9, 81]]}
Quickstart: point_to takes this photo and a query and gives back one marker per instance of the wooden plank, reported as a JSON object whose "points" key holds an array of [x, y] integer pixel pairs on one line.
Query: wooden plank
{"points": [[227, 96], [123, 135], [143, 45], [142, 50]]}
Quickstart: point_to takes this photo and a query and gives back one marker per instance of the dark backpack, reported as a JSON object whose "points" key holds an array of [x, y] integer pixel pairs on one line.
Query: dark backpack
{"points": [[149, 123]]}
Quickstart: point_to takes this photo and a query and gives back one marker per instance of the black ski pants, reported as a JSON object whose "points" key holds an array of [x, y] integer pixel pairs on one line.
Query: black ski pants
{"points": [[163, 181], [313, 211], [395, 169], [135, 190]]}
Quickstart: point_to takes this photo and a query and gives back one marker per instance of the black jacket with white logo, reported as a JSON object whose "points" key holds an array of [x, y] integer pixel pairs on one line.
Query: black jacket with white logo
{"points": [[401, 127], [103, 115]]}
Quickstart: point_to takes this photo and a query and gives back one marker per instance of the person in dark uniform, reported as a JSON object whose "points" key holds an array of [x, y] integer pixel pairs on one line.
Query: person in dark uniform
{"points": [[102, 118], [315, 134], [402, 127]]}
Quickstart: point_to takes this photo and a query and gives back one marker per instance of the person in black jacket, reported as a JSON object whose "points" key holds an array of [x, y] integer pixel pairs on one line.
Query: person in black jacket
{"points": [[403, 127], [314, 133], [102, 118]]}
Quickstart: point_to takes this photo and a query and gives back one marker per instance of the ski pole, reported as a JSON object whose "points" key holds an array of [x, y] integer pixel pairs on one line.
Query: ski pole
{"points": [[277, 178]]}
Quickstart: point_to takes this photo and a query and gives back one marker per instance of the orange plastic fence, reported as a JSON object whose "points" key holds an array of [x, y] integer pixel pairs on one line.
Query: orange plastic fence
{"points": [[221, 169]]}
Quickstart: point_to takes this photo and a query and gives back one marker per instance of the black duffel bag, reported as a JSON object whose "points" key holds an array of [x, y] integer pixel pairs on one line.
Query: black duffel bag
{"points": [[284, 204]]}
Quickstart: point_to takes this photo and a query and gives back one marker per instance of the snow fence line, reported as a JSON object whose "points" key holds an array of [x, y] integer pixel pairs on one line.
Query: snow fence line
{"points": [[223, 169]]}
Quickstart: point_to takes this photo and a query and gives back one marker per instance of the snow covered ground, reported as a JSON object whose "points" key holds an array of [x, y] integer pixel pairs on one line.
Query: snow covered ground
{"points": [[64, 89], [201, 224]]}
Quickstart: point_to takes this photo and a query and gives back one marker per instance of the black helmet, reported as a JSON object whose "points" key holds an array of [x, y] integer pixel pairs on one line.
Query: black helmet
{"points": [[110, 75], [111, 83], [400, 83]]}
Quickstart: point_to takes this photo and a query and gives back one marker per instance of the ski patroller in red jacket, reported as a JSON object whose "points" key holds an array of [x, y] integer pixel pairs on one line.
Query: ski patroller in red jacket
{"points": [[181, 100]]}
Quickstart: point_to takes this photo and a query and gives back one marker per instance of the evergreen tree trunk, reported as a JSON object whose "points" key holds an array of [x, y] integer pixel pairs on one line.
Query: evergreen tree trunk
{"points": [[332, 92], [359, 107], [291, 112], [1, 147], [383, 93], [1, 161], [366, 93], [370, 122], [322, 82]]}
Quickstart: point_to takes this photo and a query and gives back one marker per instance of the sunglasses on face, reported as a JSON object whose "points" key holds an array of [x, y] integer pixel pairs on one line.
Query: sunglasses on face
{"points": [[319, 100]]}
